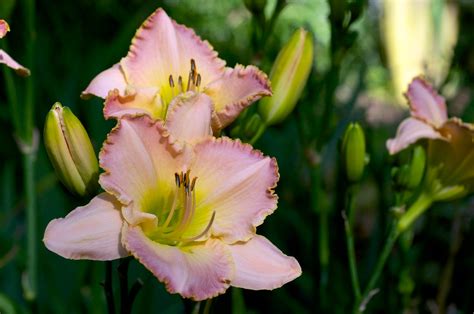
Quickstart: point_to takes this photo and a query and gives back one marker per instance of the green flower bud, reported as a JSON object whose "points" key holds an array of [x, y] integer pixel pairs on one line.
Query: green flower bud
{"points": [[288, 76], [353, 152], [416, 168], [70, 151]]}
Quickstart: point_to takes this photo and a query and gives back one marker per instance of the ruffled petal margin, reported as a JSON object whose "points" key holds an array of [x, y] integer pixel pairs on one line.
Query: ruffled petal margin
{"points": [[425, 102], [134, 102], [88, 232], [199, 272], [410, 131], [237, 183], [260, 265], [189, 117], [139, 163], [4, 28], [161, 47], [234, 91]]}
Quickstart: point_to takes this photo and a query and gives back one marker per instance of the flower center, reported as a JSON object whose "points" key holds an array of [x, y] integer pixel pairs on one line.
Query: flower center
{"points": [[178, 85], [170, 230]]}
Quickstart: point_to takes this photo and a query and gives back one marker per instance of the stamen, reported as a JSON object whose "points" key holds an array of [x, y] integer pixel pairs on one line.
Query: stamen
{"points": [[193, 183], [180, 83], [208, 227], [190, 78], [173, 207], [193, 65], [198, 80], [171, 81], [176, 179]]}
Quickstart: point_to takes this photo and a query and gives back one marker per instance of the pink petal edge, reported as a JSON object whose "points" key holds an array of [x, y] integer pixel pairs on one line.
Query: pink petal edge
{"points": [[235, 90], [410, 131], [8, 61], [260, 265], [198, 272], [237, 182], [189, 117], [105, 82], [425, 102], [88, 232]]}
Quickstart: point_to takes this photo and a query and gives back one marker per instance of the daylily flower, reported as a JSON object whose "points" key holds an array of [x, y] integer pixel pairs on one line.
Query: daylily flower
{"points": [[5, 58], [187, 210], [167, 59], [450, 141]]}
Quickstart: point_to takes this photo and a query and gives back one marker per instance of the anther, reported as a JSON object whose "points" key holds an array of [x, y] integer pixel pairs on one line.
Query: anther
{"points": [[193, 183], [171, 80], [198, 80], [193, 65], [176, 178], [180, 83]]}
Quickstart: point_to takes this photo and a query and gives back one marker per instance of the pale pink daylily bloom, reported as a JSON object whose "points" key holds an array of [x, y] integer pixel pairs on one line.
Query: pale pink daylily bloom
{"points": [[450, 141], [428, 114], [5, 58], [185, 205], [167, 59]]}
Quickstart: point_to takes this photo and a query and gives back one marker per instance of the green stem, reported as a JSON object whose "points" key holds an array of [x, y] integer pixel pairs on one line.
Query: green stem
{"points": [[207, 306], [422, 203], [30, 196], [108, 290], [30, 53], [369, 290], [348, 223]]}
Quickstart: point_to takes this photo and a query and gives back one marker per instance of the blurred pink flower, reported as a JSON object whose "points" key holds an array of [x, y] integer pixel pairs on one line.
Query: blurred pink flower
{"points": [[167, 59], [187, 212], [451, 141], [5, 58]]}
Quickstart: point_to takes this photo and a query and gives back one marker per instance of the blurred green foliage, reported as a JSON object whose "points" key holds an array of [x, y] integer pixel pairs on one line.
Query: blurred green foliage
{"points": [[75, 40]]}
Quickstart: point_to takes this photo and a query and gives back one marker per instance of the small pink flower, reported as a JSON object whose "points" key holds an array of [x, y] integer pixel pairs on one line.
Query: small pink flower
{"points": [[167, 59], [5, 58], [187, 210], [450, 141]]}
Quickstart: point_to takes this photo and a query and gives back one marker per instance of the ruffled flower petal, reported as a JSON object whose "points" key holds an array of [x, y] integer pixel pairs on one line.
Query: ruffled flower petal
{"points": [[198, 272], [105, 82], [189, 117], [410, 131], [235, 90], [161, 47], [139, 164], [4, 28], [9, 62], [88, 232], [260, 265], [134, 102], [425, 102], [237, 183]]}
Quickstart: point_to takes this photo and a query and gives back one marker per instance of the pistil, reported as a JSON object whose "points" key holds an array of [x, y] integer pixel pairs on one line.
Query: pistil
{"points": [[182, 211]]}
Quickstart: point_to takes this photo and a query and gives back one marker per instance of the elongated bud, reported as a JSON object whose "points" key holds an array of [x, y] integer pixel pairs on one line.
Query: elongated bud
{"points": [[353, 152], [288, 76], [70, 151]]}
